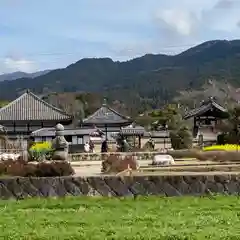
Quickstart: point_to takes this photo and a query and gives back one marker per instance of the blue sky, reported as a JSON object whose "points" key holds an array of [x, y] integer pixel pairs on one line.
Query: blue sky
{"points": [[37, 35]]}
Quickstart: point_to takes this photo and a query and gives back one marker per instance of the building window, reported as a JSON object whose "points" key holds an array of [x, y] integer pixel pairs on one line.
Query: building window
{"points": [[68, 138]]}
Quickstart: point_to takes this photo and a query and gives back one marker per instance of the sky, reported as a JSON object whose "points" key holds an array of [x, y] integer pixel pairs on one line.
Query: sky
{"points": [[48, 34]]}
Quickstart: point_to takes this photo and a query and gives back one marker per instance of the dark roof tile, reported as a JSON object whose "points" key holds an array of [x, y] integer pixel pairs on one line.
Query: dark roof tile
{"points": [[106, 115], [30, 107], [206, 106], [50, 132]]}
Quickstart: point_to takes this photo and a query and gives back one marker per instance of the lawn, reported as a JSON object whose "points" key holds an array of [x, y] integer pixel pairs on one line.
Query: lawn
{"points": [[142, 218]]}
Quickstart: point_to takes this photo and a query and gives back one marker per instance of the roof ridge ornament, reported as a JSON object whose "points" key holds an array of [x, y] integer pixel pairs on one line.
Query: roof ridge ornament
{"points": [[211, 98], [104, 102]]}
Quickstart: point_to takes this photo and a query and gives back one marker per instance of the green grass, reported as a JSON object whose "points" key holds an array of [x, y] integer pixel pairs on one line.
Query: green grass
{"points": [[102, 218]]}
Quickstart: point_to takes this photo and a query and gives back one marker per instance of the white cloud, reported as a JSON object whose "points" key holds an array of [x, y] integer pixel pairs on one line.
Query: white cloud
{"points": [[223, 16], [9, 64], [181, 21], [122, 29]]}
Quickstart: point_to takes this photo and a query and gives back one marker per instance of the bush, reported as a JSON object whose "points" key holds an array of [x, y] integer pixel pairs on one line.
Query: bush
{"points": [[222, 139], [40, 151], [181, 138], [117, 163], [43, 169], [58, 168], [219, 156], [183, 153]]}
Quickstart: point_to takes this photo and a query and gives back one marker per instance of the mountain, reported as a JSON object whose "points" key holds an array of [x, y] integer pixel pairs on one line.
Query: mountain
{"points": [[16, 75], [145, 82]]}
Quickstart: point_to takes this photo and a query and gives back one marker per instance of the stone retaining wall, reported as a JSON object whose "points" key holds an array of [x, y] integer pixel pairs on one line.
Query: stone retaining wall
{"points": [[20, 188], [98, 156]]}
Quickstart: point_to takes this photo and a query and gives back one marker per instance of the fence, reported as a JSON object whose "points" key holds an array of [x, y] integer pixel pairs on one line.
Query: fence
{"points": [[12, 145]]}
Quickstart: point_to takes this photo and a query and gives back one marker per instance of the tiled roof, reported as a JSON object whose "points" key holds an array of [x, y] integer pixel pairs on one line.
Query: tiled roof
{"points": [[30, 107], [206, 106], [106, 115], [50, 132]]}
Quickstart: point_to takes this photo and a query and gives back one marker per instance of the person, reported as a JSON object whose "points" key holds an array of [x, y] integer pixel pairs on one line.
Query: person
{"points": [[125, 146], [86, 147], [91, 146], [152, 143], [104, 147]]}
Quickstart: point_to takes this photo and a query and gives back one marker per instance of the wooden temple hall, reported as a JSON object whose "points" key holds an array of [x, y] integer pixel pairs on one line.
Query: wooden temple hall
{"points": [[30, 116], [112, 122], [205, 119]]}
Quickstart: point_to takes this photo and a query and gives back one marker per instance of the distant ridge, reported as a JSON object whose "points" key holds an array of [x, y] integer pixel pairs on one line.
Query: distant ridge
{"points": [[147, 81], [16, 75]]}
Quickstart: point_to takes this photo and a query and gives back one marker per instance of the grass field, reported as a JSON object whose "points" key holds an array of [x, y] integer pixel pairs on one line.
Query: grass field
{"points": [[142, 218]]}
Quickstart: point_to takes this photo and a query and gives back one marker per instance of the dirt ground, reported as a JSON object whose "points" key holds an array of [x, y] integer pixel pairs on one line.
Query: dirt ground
{"points": [[90, 168]]}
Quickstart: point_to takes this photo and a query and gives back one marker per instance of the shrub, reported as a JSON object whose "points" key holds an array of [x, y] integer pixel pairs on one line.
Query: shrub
{"points": [[219, 156], [43, 169], [108, 161], [181, 138], [222, 139], [57, 168], [19, 168], [41, 150], [183, 153], [117, 163]]}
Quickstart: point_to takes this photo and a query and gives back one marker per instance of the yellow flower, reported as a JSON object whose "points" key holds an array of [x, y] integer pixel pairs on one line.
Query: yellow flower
{"points": [[39, 146], [226, 147]]}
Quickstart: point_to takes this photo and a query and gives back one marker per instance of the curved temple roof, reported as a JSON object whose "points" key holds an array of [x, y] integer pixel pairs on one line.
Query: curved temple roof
{"points": [[106, 115], [205, 107], [30, 107]]}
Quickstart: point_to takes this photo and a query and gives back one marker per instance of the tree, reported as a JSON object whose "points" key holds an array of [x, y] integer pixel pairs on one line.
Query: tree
{"points": [[230, 128], [169, 116], [3, 103], [181, 138]]}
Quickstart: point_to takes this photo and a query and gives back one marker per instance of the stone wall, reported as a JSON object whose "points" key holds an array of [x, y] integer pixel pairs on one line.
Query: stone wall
{"points": [[198, 185], [98, 156]]}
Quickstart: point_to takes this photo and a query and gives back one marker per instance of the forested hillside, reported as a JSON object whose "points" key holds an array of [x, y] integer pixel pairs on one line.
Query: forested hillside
{"points": [[142, 83]]}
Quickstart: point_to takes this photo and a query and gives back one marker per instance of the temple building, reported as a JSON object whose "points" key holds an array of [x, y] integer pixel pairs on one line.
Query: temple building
{"points": [[108, 120], [28, 113], [205, 119], [30, 116], [72, 135]]}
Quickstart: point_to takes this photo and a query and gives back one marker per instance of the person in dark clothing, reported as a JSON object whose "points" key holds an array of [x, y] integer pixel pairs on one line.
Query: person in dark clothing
{"points": [[91, 145], [104, 146]]}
